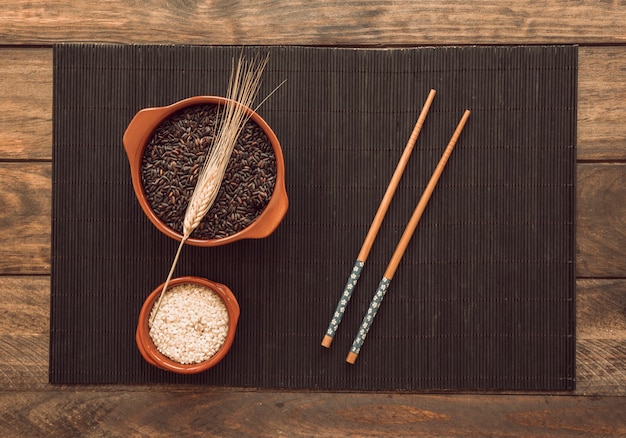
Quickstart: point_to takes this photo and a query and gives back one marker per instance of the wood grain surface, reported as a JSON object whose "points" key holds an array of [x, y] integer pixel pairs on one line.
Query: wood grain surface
{"points": [[29, 406], [26, 116], [601, 93], [25, 217], [350, 22], [601, 332], [601, 220], [601, 309], [25, 104], [159, 412], [24, 332], [601, 336]]}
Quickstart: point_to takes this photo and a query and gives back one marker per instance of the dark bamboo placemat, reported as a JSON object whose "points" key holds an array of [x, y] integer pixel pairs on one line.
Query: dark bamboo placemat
{"points": [[485, 295]]}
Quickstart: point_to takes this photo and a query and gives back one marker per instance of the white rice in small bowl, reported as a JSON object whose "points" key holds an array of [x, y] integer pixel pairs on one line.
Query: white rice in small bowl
{"points": [[191, 324], [194, 327]]}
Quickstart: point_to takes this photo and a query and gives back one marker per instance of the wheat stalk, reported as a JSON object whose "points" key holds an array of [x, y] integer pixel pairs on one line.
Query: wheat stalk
{"points": [[243, 88]]}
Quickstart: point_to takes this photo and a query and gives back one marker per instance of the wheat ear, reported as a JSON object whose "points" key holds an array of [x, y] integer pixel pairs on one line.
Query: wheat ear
{"points": [[243, 88]]}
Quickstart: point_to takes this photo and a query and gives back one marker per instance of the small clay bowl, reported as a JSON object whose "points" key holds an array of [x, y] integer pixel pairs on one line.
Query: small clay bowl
{"points": [[140, 131], [149, 351]]}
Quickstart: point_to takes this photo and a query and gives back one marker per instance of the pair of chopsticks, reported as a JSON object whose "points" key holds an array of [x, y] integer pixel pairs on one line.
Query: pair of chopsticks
{"points": [[383, 286]]}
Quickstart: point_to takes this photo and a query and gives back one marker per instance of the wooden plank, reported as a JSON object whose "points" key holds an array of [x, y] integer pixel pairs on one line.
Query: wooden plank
{"points": [[601, 328], [348, 22], [24, 362], [24, 332], [601, 337], [25, 305], [600, 368], [214, 412], [600, 218], [601, 110], [601, 310], [25, 218], [25, 104]]}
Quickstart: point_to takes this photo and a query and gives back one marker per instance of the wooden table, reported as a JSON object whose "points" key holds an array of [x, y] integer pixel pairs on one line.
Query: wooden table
{"points": [[29, 406]]}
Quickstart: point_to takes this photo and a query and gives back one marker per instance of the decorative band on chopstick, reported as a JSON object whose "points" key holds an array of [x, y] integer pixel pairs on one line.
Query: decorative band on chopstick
{"points": [[343, 302], [383, 286]]}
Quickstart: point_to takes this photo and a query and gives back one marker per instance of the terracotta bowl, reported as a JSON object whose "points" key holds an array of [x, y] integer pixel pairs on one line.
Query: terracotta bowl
{"points": [[140, 131], [149, 351]]}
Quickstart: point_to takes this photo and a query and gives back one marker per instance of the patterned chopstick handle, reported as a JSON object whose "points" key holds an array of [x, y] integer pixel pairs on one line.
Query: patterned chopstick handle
{"points": [[369, 316], [345, 298]]}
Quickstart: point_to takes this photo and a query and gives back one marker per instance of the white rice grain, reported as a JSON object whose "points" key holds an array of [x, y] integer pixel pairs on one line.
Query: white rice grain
{"points": [[191, 324]]}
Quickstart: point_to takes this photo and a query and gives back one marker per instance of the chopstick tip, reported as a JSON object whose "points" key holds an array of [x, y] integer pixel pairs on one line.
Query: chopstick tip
{"points": [[327, 341], [351, 358]]}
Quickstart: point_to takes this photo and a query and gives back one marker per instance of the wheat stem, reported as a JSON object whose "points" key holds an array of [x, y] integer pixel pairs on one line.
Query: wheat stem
{"points": [[167, 282], [243, 88]]}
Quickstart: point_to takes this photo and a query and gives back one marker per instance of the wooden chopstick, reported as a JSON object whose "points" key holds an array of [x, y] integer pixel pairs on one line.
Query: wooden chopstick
{"points": [[402, 245], [376, 224]]}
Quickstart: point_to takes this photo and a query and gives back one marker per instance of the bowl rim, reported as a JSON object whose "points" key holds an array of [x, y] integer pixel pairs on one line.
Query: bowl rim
{"points": [[153, 356], [138, 134]]}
